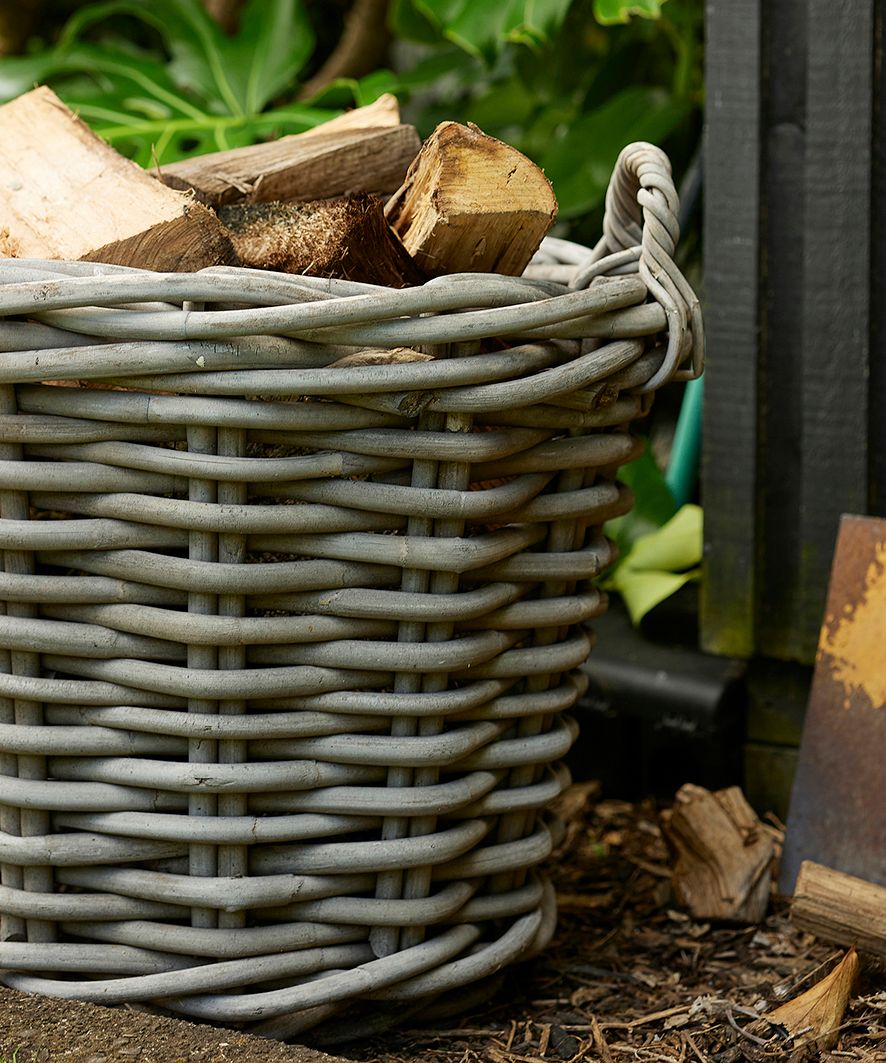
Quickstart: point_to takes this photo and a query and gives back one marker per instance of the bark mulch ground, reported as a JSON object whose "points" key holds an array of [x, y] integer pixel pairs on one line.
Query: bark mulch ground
{"points": [[629, 979]]}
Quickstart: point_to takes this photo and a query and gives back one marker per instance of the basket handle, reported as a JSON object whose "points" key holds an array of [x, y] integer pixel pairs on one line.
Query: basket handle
{"points": [[641, 209]]}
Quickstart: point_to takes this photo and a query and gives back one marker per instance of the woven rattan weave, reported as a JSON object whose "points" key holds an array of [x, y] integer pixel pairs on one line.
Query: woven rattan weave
{"points": [[288, 641]]}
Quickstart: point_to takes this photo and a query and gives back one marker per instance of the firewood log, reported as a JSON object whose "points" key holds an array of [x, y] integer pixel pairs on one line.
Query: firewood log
{"points": [[471, 203], [66, 194], [346, 237]]}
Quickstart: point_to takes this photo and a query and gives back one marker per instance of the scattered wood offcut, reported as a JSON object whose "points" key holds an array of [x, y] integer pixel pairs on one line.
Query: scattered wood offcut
{"points": [[723, 855], [840, 908], [814, 1017]]}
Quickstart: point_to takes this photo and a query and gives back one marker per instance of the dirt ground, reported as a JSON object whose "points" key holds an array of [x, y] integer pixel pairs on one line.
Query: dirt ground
{"points": [[628, 978]]}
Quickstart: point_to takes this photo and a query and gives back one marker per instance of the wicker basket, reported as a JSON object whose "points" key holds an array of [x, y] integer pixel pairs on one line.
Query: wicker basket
{"points": [[288, 644]]}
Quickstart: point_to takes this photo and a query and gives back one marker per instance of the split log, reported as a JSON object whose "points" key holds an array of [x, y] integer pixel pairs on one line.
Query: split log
{"points": [[840, 908], [66, 194], [346, 238], [723, 855], [365, 150], [471, 203], [381, 113]]}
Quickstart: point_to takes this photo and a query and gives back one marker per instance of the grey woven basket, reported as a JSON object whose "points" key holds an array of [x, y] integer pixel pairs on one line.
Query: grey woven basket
{"points": [[287, 645]]}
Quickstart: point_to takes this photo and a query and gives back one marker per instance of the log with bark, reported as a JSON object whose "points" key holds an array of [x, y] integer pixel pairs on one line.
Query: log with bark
{"points": [[66, 194], [468, 203], [471, 203], [840, 908], [346, 238], [365, 150], [723, 855]]}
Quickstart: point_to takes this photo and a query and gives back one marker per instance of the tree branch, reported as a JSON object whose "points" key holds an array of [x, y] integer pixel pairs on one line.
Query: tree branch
{"points": [[361, 48], [226, 13], [17, 24]]}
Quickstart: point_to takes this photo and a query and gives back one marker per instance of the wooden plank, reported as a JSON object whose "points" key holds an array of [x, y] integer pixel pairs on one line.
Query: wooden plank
{"points": [[837, 292], [64, 193], [780, 454], [731, 251], [877, 381]]}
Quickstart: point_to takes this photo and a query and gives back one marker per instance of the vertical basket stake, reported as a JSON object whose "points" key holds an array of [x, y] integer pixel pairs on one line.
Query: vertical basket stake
{"points": [[30, 822]]}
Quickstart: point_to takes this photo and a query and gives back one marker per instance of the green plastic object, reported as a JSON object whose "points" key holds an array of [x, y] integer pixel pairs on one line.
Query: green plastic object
{"points": [[682, 472]]}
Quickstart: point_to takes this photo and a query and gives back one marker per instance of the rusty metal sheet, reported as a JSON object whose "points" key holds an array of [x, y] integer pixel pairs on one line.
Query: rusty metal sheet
{"points": [[838, 805]]}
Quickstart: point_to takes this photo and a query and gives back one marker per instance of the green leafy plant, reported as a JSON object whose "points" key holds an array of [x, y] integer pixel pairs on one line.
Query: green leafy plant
{"points": [[660, 544], [612, 11], [159, 80], [569, 84], [482, 27], [190, 88]]}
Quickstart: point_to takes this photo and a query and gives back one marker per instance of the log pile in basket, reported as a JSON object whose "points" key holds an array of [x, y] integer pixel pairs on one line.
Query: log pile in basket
{"points": [[305, 451]]}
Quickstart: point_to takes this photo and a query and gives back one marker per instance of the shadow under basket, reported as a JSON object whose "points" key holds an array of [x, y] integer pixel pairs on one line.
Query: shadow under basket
{"points": [[289, 637]]}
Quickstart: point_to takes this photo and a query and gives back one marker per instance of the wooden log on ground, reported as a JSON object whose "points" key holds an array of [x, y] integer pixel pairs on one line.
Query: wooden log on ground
{"points": [[365, 150], [472, 204], [840, 908], [346, 238], [723, 855], [66, 194]]}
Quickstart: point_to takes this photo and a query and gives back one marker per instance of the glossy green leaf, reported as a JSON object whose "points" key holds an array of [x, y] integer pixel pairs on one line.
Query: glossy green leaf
{"points": [[194, 41], [441, 13], [368, 89], [580, 163], [238, 74], [643, 591], [659, 563], [539, 22], [273, 44], [197, 47], [408, 22], [483, 27], [20, 74], [209, 96], [675, 546], [507, 104], [609, 12]]}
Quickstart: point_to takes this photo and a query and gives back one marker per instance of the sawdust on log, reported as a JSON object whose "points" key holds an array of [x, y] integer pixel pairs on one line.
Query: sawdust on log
{"points": [[346, 238]]}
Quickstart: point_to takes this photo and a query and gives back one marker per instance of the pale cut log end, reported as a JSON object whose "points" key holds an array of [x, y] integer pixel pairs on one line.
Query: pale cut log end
{"points": [[66, 194], [471, 203]]}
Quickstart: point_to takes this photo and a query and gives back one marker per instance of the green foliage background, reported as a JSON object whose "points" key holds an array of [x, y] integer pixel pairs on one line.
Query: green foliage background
{"points": [[569, 82]]}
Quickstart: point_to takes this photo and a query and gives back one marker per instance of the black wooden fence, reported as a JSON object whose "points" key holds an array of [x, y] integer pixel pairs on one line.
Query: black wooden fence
{"points": [[795, 253]]}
